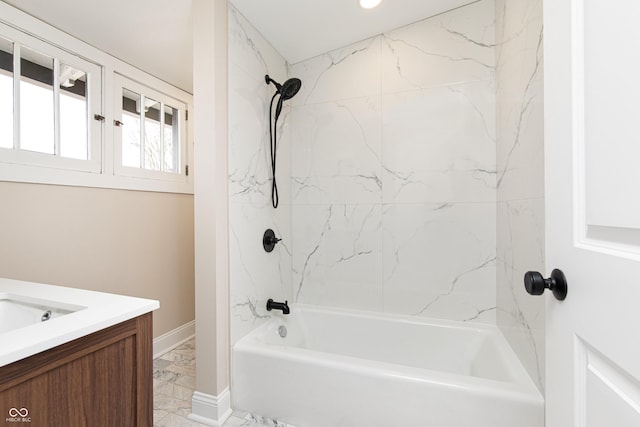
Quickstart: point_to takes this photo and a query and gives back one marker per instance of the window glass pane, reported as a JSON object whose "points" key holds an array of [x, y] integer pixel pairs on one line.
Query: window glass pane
{"points": [[6, 93], [152, 142], [171, 142], [130, 129], [36, 102], [73, 113]]}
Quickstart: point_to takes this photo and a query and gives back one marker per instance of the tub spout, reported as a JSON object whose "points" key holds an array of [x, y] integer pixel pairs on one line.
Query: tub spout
{"points": [[284, 306]]}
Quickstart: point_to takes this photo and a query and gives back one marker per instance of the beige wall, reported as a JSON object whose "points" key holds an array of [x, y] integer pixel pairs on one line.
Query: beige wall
{"points": [[210, 101], [126, 242]]}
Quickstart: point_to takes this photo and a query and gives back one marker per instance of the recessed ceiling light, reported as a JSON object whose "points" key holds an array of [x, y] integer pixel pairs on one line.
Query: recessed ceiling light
{"points": [[369, 4]]}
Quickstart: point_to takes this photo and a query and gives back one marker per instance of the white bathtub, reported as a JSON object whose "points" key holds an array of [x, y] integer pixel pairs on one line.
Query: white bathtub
{"points": [[340, 368]]}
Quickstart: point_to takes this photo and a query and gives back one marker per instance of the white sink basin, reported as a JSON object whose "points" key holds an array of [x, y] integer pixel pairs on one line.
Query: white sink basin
{"points": [[18, 311]]}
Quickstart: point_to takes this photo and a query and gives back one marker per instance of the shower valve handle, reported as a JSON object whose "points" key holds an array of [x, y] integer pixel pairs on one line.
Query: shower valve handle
{"points": [[535, 283], [269, 240]]}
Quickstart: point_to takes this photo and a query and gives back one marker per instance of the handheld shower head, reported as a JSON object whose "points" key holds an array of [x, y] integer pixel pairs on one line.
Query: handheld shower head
{"points": [[288, 89]]}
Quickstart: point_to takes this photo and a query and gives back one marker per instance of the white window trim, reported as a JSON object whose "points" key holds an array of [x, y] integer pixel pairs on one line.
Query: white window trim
{"points": [[38, 173]]}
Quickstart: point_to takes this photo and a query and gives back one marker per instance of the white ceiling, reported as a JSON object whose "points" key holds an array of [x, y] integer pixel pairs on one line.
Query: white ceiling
{"points": [[154, 35], [301, 29]]}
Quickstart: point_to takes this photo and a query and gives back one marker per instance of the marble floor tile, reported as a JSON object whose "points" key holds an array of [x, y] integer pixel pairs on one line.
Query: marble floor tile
{"points": [[160, 364], [182, 358], [186, 370], [173, 386], [173, 420]]}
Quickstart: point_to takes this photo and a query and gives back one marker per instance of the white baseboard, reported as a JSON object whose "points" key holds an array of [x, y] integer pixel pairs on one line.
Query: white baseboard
{"points": [[210, 410], [172, 339]]}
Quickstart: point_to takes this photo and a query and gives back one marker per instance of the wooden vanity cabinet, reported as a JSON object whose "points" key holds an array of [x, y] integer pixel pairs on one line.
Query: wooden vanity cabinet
{"points": [[102, 379]]}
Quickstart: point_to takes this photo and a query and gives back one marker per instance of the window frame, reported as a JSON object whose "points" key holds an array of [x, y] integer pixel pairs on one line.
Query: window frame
{"points": [[122, 82], [107, 177], [16, 154]]}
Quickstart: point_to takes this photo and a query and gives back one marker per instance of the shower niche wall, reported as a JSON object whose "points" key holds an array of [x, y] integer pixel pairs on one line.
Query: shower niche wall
{"points": [[387, 174]]}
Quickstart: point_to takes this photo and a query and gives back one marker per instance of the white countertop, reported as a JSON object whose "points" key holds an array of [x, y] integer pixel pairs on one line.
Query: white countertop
{"points": [[101, 311]]}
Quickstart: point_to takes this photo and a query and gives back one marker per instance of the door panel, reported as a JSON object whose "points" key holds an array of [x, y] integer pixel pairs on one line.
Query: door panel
{"points": [[608, 97], [592, 182], [604, 389], [606, 76]]}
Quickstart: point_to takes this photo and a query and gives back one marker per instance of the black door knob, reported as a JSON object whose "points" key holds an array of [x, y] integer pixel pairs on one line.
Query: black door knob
{"points": [[535, 284]]}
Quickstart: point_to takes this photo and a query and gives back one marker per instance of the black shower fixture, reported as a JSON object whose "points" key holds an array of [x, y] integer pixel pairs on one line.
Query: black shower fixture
{"points": [[287, 90], [269, 240], [274, 305]]}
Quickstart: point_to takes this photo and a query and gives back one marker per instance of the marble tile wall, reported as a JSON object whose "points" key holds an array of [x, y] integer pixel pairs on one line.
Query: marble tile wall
{"points": [[520, 179], [393, 171], [255, 275]]}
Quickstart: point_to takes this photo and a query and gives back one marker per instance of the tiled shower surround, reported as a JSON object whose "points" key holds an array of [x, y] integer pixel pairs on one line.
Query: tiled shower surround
{"points": [[387, 170], [393, 171]]}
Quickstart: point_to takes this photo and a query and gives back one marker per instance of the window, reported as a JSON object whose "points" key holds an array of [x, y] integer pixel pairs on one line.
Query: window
{"points": [[47, 101], [71, 114], [151, 136]]}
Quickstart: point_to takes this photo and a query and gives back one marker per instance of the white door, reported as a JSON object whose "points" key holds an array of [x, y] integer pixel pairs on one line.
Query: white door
{"points": [[592, 173]]}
